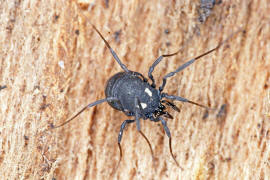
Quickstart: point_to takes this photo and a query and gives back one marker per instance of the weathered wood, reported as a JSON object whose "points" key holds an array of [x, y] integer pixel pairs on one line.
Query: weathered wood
{"points": [[53, 64]]}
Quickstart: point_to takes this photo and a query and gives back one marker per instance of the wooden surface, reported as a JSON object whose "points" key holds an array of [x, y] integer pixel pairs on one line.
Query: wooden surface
{"points": [[53, 64]]}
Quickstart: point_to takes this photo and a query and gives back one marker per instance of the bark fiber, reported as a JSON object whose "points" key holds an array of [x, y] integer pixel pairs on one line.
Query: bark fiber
{"points": [[53, 63]]}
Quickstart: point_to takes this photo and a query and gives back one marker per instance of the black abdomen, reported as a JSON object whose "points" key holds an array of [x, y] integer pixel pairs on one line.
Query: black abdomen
{"points": [[110, 89], [126, 87]]}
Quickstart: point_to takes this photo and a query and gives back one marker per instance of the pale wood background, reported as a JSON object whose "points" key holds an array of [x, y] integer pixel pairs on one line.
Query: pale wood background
{"points": [[37, 36]]}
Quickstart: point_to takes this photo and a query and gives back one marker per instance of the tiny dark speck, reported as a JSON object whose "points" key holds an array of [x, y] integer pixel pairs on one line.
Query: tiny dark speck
{"points": [[77, 31], [211, 165], [222, 111], [167, 31], [168, 44], [44, 106], [26, 137], [56, 17], [206, 114], [37, 87], [51, 125], [117, 35], [3, 87]]}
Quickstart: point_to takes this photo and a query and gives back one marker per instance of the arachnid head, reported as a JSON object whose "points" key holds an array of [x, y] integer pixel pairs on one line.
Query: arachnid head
{"points": [[160, 111]]}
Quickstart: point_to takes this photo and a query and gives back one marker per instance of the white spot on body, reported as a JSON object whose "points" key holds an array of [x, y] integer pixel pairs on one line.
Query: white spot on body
{"points": [[148, 92], [143, 105]]}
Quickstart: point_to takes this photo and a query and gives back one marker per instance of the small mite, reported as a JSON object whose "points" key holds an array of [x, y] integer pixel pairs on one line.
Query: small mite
{"points": [[132, 93]]}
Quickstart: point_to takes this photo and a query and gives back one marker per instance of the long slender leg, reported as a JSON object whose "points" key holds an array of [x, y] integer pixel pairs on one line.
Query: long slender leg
{"points": [[156, 62], [139, 74], [167, 131], [183, 67], [112, 51], [120, 137], [167, 115], [178, 98], [83, 109], [194, 59], [137, 119], [123, 125], [171, 105]]}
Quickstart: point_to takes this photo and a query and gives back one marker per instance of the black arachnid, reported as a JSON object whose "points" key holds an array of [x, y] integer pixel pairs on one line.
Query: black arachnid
{"points": [[131, 93]]}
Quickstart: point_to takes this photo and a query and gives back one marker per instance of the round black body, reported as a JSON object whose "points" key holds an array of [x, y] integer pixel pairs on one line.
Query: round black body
{"points": [[126, 87]]}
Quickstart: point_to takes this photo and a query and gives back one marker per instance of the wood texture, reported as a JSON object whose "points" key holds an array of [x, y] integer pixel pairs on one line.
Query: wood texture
{"points": [[53, 64]]}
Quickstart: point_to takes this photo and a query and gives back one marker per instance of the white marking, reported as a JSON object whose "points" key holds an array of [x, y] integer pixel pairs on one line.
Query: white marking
{"points": [[143, 105], [148, 92]]}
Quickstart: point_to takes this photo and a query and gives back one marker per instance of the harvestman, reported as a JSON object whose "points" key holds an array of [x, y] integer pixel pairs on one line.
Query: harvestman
{"points": [[131, 93]]}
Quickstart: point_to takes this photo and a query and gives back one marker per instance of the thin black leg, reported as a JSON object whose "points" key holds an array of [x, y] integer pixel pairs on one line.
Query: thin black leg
{"points": [[123, 125], [178, 98], [174, 72], [137, 117], [83, 109], [156, 62], [139, 74], [167, 131], [171, 105], [138, 113], [112, 51], [192, 60]]}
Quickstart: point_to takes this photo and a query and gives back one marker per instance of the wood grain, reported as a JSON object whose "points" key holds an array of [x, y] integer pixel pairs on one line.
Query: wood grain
{"points": [[53, 64]]}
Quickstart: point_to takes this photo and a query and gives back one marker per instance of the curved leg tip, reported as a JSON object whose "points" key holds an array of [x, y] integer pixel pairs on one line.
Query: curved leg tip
{"points": [[170, 144]]}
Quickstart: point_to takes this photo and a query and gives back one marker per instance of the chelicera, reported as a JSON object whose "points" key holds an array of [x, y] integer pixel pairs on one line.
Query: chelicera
{"points": [[130, 92]]}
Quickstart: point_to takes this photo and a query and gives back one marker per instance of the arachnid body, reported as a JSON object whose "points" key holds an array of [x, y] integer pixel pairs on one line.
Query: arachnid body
{"points": [[131, 93]]}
